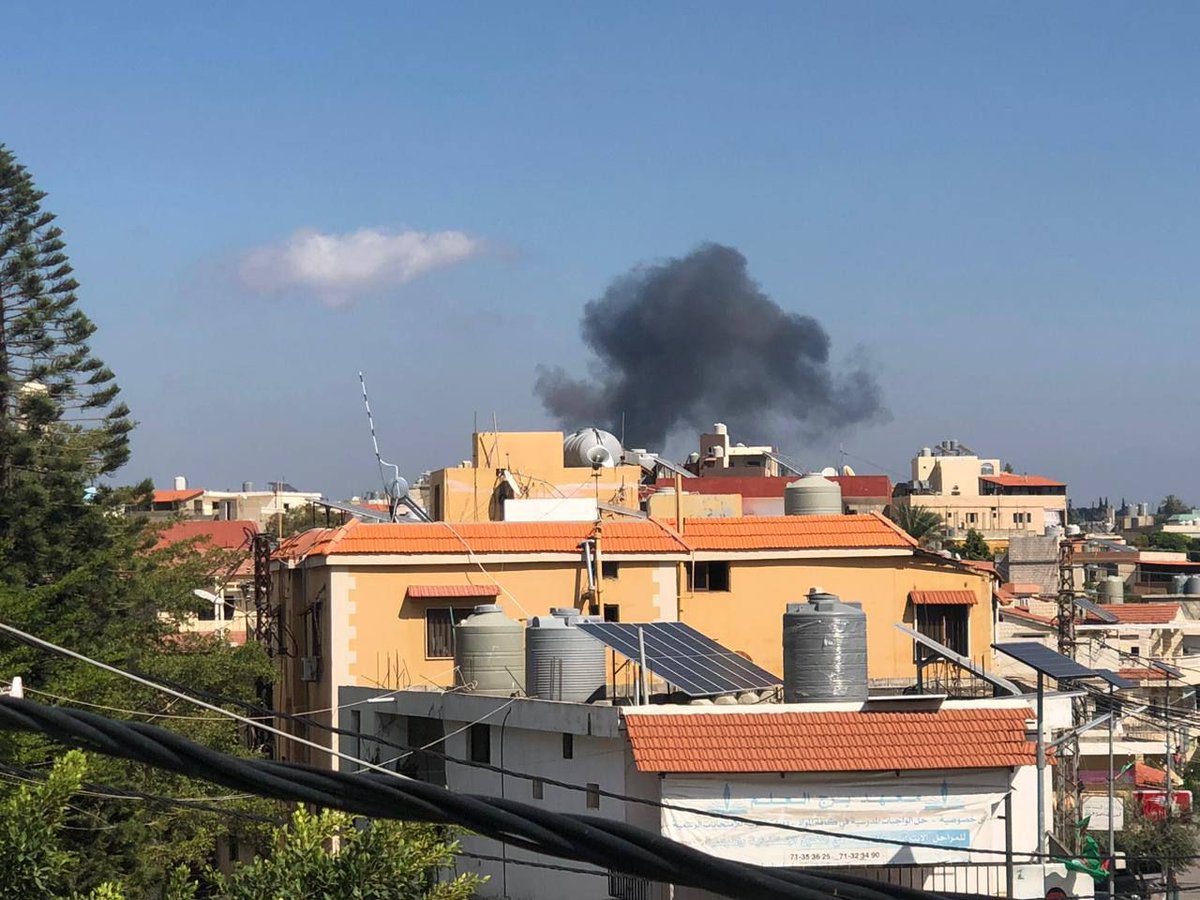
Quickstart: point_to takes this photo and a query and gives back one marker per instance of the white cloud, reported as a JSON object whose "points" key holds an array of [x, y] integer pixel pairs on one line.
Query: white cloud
{"points": [[339, 267]]}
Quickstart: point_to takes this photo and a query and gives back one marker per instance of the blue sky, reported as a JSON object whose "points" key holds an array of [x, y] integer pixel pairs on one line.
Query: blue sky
{"points": [[994, 204]]}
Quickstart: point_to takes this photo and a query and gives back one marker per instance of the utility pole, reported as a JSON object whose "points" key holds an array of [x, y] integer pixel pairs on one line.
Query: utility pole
{"points": [[1066, 599]]}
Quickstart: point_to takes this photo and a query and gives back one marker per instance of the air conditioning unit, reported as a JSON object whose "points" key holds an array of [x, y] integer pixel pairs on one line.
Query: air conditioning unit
{"points": [[1051, 882], [310, 668]]}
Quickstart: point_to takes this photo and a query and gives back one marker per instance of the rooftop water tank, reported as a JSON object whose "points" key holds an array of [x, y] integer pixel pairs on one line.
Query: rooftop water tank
{"points": [[824, 650], [812, 495], [1074, 531], [489, 652], [1192, 585], [561, 662], [1112, 589], [1178, 583], [578, 449]]}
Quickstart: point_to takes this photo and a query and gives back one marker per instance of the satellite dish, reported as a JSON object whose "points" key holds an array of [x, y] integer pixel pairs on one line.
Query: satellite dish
{"points": [[599, 456], [846, 470], [829, 472], [206, 595]]}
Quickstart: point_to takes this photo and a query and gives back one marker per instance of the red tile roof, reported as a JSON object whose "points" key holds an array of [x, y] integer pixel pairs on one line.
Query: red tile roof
{"points": [[1142, 673], [981, 565], [1017, 612], [864, 485], [868, 532], [438, 591], [943, 598], [1140, 613], [783, 533], [1006, 480], [829, 741], [172, 496], [228, 535]]}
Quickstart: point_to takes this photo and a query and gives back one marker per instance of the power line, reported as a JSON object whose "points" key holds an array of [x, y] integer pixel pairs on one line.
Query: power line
{"points": [[607, 843], [378, 768]]}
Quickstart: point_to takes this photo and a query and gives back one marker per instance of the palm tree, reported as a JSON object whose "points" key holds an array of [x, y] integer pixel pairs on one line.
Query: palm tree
{"points": [[922, 525]]}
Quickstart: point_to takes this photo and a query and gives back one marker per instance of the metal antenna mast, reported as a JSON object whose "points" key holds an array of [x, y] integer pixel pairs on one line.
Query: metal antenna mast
{"points": [[397, 489]]}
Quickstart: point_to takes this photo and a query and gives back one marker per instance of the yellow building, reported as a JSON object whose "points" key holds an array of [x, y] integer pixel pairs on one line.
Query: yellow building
{"points": [[970, 492], [374, 605], [531, 476]]}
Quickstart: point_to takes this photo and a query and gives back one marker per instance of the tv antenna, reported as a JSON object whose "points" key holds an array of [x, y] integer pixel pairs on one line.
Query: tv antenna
{"points": [[395, 490]]}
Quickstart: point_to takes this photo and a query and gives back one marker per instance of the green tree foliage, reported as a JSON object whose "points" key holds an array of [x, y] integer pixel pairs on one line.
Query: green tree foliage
{"points": [[378, 861], [922, 524], [34, 859], [1168, 540], [76, 571], [1151, 844], [972, 547], [1173, 506]]}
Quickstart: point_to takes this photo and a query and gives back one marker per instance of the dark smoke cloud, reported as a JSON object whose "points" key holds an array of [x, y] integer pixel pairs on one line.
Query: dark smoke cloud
{"points": [[694, 340]]}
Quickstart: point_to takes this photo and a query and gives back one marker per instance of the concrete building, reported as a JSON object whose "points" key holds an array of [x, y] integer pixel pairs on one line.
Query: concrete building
{"points": [[530, 476], [970, 492], [260, 507], [925, 771], [734, 495], [375, 604], [230, 579]]}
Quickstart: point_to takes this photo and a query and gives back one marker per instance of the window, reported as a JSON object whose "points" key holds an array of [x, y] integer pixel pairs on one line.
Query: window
{"points": [[612, 612], [1135, 650], [946, 624], [480, 740], [987, 469], [593, 795], [709, 576], [568, 746], [609, 569], [972, 518], [356, 727], [539, 788], [439, 629]]}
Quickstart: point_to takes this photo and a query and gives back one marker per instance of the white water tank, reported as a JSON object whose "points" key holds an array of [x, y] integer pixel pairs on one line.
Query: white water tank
{"points": [[812, 495], [489, 652], [1112, 589], [180, 483], [578, 449]]}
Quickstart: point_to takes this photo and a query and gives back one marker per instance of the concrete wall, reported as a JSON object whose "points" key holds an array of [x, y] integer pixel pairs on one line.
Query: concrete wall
{"points": [[749, 617]]}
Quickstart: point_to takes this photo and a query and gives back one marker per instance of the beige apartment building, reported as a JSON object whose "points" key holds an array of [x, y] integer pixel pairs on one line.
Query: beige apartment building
{"points": [[972, 492]]}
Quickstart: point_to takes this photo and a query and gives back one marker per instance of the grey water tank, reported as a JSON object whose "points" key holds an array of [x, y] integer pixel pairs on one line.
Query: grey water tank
{"points": [[1112, 589], [812, 495], [1192, 585], [824, 650], [1178, 584], [561, 662], [489, 652]]}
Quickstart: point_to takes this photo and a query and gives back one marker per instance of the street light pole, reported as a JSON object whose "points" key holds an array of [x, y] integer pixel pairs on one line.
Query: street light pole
{"points": [[1112, 844], [1041, 767]]}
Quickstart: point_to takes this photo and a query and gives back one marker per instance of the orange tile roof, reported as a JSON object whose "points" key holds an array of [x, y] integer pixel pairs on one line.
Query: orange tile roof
{"points": [[437, 591], [1148, 776], [483, 537], [867, 532], [830, 741], [647, 536], [1141, 613], [943, 598], [173, 496], [1006, 480]]}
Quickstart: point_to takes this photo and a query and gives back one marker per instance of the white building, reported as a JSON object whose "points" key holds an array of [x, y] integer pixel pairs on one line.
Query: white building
{"points": [[911, 770]]}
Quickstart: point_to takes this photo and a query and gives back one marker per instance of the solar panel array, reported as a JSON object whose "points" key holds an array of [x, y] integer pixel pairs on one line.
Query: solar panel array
{"points": [[1096, 610], [1043, 659], [683, 657]]}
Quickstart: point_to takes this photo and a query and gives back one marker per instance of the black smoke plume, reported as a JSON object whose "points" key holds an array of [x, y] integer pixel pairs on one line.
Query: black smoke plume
{"points": [[694, 340]]}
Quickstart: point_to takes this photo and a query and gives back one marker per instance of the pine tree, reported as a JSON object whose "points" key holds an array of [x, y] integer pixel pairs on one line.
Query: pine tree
{"points": [[61, 425]]}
